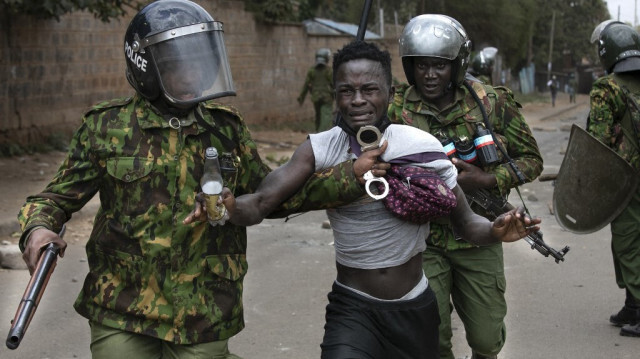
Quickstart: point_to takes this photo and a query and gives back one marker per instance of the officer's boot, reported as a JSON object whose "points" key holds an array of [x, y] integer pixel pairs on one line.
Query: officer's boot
{"points": [[475, 355], [629, 314], [630, 330]]}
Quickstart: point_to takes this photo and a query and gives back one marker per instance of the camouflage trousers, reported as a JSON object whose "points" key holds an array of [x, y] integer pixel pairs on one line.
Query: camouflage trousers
{"points": [[625, 246], [111, 343], [324, 115], [472, 281]]}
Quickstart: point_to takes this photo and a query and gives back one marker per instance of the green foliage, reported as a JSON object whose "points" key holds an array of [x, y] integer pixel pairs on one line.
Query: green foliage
{"points": [[520, 29], [104, 10], [275, 10]]}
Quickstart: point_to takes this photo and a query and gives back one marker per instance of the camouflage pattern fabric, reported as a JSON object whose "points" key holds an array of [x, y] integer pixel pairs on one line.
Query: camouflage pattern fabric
{"points": [[458, 120], [149, 273], [484, 79], [319, 81], [610, 119]]}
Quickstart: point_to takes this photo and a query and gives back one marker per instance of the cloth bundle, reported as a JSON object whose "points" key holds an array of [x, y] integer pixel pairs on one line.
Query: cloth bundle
{"points": [[417, 194]]}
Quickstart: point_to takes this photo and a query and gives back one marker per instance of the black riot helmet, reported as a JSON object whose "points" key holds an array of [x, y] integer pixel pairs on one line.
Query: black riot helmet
{"points": [[618, 46], [482, 63], [175, 51], [435, 35]]}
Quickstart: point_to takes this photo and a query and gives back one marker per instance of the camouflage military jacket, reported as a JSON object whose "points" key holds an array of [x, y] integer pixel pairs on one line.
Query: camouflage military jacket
{"points": [[319, 81], [459, 120], [613, 114], [149, 273]]}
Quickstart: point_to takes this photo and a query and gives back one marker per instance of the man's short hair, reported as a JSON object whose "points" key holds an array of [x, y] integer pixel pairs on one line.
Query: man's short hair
{"points": [[356, 50]]}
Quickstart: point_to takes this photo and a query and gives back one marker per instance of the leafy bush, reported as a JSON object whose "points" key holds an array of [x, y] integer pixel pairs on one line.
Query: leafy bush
{"points": [[104, 10]]}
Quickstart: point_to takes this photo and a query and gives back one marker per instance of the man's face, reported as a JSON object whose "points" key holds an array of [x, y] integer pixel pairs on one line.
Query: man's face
{"points": [[362, 92], [433, 76], [182, 79]]}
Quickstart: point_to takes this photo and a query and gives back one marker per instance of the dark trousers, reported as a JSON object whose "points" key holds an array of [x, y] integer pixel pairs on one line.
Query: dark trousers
{"points": [[358, 327]]}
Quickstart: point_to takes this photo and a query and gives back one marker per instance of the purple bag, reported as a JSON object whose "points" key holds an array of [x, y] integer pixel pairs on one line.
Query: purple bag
{"points": [[417, 194]]}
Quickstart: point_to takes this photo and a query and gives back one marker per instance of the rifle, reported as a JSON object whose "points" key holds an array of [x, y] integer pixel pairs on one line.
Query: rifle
{"points": [[33, 293], [495, 206]]}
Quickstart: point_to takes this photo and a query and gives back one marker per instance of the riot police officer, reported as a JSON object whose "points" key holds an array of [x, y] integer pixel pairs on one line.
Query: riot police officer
{"points": [[482, 65], [319, 82], [157, 287], [615, 120], [438, 99]]}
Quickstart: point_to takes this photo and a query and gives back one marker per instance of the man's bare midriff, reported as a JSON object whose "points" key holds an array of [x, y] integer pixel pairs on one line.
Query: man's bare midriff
{"points": [[383, 283]]}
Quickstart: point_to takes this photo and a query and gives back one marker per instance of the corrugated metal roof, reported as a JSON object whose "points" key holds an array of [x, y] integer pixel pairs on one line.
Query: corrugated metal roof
{"points": [[320, 26]]}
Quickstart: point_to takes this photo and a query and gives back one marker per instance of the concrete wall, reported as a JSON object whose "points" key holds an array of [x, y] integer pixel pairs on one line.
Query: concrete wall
{"points": [[50, 71]]}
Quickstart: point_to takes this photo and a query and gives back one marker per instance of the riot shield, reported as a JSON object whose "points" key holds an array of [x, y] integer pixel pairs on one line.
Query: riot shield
{"points": [[593, 186]]}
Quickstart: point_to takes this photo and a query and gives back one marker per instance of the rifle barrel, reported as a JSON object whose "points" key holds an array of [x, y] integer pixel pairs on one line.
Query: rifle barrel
{"points": [[362, 29], [32, 295]]}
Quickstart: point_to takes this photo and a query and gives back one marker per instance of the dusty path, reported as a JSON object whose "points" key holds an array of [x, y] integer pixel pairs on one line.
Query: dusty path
{"points": [[555, 310]]}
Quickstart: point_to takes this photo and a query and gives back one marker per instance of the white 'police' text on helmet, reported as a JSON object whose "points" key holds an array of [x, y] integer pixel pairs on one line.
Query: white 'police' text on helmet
{"points": [[435, 35], [170, 37]]}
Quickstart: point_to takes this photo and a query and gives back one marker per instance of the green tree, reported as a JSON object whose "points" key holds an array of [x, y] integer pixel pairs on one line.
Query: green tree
{"points": [[520, 29], [574, 23], [104, 10]]}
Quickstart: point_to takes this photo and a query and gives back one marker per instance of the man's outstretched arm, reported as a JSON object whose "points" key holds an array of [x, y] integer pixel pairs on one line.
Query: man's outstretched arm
{"points": [[285, 182]]}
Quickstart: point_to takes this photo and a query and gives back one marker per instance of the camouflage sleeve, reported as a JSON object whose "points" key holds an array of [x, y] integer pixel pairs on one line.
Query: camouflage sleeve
{"points": [[329, 188], [517, 139], [394, 112], [72, 187], [607, 106]]}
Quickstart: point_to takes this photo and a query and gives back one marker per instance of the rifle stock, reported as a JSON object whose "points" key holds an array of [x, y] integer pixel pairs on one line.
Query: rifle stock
{"points": [[496, 206], [548, 177], [33, 293]]}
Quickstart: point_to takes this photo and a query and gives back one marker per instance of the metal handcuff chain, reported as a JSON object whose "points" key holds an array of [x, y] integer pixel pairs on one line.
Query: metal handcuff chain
{"points": [[370, 137]]}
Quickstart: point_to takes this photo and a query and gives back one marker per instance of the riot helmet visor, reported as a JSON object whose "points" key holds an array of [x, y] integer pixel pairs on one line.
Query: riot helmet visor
{"points": [[192, 67]]}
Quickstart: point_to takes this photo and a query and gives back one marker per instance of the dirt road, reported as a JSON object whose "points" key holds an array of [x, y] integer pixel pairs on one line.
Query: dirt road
{"points": [[555, 310]]}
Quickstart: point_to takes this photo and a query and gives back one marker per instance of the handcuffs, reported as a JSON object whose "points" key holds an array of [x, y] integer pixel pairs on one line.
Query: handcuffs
{"points": [[369, 137]]}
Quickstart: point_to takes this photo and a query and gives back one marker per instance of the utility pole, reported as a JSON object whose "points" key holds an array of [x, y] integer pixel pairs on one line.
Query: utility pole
{"points": [[553, 24]]}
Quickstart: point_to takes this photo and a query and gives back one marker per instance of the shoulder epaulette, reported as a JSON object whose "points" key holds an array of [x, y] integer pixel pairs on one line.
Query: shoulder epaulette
{"points": [[504, 88], [481, 89], [99, 107], [216, 106]]}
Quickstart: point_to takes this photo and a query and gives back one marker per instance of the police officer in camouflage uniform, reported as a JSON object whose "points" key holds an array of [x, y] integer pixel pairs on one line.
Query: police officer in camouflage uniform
{"points": [[438, 99], [615, 120], [319, 82], [158, 288]]}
